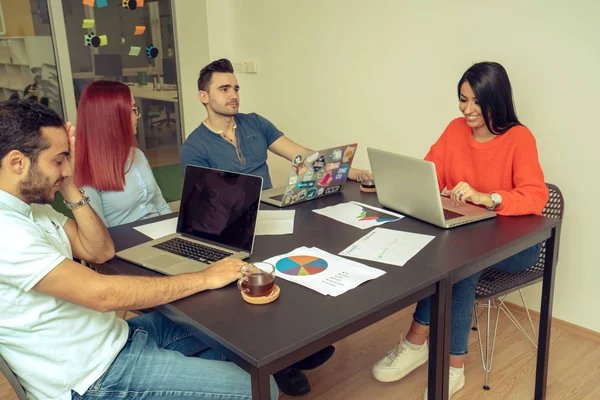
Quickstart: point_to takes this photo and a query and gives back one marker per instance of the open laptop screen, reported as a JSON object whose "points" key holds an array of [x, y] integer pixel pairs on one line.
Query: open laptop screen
{"points": [[219, 207]]}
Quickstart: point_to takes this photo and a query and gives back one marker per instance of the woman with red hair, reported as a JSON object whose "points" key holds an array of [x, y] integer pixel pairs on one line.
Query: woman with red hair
{"points": [[113, 172]]}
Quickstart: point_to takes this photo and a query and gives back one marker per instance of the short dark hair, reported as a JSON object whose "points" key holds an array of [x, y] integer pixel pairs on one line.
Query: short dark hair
{"points": [[21, 123], [491, 86], [222, 65]]}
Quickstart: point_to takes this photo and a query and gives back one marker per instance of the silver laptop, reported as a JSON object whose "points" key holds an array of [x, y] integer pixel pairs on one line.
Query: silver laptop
{"points": [[312, 175], [217, 219], [409, 185]]}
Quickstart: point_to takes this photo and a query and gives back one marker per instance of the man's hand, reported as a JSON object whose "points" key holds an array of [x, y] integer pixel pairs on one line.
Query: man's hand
{"points": [[223, 272], [359, 175], [67, 187], [463, 192]]}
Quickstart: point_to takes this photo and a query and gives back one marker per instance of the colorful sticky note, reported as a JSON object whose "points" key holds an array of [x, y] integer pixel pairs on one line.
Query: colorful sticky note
{"points": [[88, 23], [89, 3], [102, 3], [134, 51], [139, 30], [103, 40], [140, 3]]}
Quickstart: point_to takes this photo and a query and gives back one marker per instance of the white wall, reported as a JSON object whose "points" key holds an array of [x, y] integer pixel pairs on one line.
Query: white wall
{"points": [[191, 34], [384, 73]]}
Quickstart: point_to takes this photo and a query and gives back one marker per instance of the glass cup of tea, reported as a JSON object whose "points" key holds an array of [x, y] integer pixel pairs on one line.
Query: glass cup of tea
{"points": [[257, 279]]}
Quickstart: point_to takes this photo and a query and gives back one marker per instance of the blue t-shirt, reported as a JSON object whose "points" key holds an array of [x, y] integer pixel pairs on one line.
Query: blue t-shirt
{"points": [[206, 148]]}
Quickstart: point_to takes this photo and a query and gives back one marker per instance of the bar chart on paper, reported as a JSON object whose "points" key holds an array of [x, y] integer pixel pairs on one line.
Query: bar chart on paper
{"points": [[301, 265]]}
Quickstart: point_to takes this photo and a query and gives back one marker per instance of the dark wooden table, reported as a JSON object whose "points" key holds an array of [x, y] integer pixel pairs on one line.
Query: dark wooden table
{"points": [[264, 339]]}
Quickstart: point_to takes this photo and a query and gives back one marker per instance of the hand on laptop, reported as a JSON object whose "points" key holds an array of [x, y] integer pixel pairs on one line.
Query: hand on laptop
{"points": [[223, 272], [463, 192], [359, 175]]}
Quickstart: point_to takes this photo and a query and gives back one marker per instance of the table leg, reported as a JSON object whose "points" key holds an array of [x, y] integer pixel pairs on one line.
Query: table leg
{"points": [[261, 389], [436, 341], [541, 372]]}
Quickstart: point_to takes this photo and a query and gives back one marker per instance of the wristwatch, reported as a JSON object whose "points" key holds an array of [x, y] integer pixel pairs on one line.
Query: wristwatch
{"points": [[85, 199], [497, 199]]}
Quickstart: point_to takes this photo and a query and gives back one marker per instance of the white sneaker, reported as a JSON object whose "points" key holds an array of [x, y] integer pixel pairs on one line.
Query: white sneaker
{"points": [[400, 361], [456, 382]]}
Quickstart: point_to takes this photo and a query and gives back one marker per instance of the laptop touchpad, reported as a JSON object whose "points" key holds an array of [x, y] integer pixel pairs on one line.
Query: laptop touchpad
{"points": [[163, 260]]}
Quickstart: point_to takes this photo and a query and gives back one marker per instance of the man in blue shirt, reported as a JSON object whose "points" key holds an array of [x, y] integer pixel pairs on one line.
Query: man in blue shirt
{"points": [[232, 141]]}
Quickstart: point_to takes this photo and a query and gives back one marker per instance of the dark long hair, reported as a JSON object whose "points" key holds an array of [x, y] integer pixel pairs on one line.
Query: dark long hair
{"points": [[491, 86], [105, 135]]}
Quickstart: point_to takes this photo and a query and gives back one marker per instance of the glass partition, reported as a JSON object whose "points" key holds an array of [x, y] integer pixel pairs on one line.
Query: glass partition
{"points": [[131, 41], [27, 61]]}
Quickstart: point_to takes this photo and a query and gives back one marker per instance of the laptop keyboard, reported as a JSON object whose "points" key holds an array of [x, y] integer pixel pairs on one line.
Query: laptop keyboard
{"points": [[192, 250], [451, 215]]}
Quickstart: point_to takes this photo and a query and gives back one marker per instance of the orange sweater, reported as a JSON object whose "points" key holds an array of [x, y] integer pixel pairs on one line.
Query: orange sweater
{"points": [[507, 165]]}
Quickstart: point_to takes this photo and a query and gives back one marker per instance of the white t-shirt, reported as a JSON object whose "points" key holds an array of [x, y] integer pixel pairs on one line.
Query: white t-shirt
{"points": [[52, 345]]}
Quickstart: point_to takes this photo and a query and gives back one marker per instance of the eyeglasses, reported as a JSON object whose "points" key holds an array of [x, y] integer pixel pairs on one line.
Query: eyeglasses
{"points": [[136, 110]]}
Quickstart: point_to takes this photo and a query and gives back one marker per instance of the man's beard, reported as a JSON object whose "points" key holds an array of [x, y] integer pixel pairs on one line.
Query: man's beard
{"points": [[37, 188]]}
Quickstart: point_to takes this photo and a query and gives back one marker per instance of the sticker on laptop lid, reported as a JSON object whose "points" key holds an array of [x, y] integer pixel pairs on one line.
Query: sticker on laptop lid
{"points": [[332, 189], [336, 155], [319, 163], [348, 153]]}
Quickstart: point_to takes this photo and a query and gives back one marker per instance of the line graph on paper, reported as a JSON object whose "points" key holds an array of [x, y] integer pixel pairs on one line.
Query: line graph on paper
{"points": [[388, 246]]}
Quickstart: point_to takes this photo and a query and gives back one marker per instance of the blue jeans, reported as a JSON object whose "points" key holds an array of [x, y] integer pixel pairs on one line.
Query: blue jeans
{"points": [[463, 298], [161, 360]]}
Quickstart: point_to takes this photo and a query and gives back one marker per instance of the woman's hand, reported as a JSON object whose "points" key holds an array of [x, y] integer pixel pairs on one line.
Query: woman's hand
{"points": [[463, 192]]}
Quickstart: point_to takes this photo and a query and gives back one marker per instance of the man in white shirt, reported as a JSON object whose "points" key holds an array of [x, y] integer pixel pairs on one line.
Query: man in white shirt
{"points": [[58, 329]]}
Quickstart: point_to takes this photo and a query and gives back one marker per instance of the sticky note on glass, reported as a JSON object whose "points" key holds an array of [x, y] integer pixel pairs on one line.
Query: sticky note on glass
{"points": [[139, 30], [101, 3], [88, 23], [89, 3], [134, 51], [103, 40]]}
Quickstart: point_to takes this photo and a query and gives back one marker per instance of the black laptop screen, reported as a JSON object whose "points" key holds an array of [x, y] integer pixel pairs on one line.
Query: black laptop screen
{"points": [[219, 206]]}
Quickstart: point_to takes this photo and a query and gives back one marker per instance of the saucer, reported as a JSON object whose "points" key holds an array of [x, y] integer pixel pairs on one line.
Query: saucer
{"points": [[368, 189], [274, 295]]}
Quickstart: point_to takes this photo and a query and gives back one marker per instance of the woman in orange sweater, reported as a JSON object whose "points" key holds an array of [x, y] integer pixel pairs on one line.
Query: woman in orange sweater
{"points": [[490, 159]]}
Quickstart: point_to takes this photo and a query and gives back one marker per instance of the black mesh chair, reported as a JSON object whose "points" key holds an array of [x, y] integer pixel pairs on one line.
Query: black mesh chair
{"points": [[494, 286], [12, 380]]}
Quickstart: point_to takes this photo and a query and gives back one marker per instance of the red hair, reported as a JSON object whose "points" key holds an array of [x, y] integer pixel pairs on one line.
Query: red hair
{"points": [[105, 136]]}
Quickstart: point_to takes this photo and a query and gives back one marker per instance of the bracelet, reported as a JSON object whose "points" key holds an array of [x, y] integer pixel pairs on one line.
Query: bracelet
{"points": [[85, 199]]}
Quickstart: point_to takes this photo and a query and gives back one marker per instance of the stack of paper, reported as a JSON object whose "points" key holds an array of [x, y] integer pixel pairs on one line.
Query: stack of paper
{"points": [[359, 215], [276, 222], [322, 272], [268, 223]]}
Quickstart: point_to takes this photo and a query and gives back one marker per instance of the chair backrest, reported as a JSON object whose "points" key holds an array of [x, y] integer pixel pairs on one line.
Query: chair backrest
{"points": [[556, 203], [494, 283], [12, 379], [554, 208]]}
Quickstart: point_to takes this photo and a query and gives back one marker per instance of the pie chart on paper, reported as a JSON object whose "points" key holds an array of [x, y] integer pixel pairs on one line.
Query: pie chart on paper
{"points": [[301, 265]]}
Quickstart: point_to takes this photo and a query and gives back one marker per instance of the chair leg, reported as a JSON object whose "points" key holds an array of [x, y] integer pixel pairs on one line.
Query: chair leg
{"points": [[517, 324], [475, 316], [487, 358], [528, 316]]}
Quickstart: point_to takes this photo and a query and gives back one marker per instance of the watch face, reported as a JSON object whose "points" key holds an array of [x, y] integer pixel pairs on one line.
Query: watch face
{"points": [[496, 198]]}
